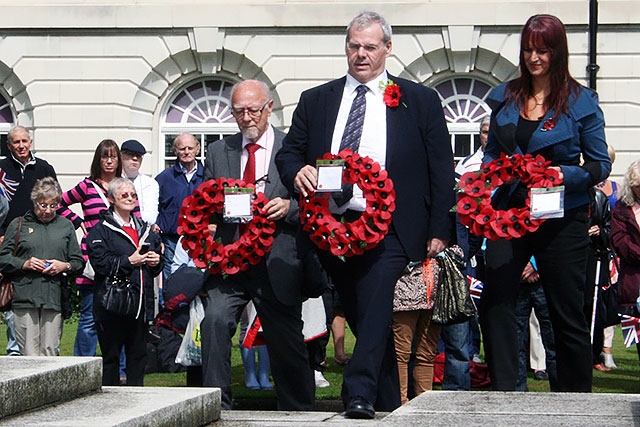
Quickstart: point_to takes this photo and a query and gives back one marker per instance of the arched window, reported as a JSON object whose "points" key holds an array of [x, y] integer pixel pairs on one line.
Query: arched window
{"points": [[6, 122], [202, 108], [463, 101]]}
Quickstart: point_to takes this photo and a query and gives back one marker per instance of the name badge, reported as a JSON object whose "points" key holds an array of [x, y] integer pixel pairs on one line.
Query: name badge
{"points": [[329, 175], [237, 205], [547, 202]]}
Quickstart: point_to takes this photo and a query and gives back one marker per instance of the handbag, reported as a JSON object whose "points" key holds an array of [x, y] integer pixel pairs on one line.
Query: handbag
{"points": [[6, 286], [65, 296], [453, 300], [607, 307], [121, 297]]}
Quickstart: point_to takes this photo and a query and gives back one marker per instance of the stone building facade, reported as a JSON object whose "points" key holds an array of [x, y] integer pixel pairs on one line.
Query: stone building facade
{"points": [[77, 72]]}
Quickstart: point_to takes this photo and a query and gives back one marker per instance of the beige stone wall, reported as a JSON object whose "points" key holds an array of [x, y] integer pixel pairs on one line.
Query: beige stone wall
{"points": [[106, 69]]}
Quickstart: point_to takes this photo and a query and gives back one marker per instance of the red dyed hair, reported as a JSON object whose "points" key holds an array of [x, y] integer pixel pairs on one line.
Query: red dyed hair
{"points": [[545, 32]]}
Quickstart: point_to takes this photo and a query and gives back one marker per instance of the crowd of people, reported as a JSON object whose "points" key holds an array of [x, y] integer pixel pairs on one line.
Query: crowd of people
{"points": [[130, 228]]}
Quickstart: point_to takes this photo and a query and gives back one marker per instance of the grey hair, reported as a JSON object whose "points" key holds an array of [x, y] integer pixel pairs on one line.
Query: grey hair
{"points": [[45, 188], [263, 86], [117, 184], [631, 179], [486, 120], [175, 141], [18, 128], [367, 18]]}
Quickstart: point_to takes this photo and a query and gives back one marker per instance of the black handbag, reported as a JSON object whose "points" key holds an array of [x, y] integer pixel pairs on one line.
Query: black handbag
{"points": [[121, 297]]}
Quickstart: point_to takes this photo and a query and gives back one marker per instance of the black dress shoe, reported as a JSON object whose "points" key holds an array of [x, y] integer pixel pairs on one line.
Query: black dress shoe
{"points": [[359, 407]]}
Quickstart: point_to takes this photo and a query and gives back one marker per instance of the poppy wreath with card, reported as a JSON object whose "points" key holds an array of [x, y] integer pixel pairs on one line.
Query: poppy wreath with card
{"points": [[255, 240], [475, 189], [343, 238]]}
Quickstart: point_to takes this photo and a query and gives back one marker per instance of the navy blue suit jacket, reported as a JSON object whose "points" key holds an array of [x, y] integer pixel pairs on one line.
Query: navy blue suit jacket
{"points": [[419, 159]]}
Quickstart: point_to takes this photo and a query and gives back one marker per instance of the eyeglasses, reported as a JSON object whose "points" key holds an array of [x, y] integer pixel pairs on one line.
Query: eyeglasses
{"points": [[45, 206], [134, 196], [371, 48], [253, 112]]}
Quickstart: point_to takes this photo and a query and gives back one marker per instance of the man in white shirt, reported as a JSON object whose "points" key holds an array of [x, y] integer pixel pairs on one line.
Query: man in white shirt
{"points": [[146, 187]]}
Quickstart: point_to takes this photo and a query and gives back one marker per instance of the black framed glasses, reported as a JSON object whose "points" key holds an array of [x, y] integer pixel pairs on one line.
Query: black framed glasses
{"points": [[252, 112]]}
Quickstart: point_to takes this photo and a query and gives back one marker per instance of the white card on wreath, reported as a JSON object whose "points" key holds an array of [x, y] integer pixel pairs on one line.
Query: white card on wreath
{"points": [[237, 205], [547, 202], [330, 177]]}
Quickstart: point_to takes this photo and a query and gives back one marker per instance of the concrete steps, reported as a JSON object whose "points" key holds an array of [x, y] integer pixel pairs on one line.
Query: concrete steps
{"points": [[66, 391]]}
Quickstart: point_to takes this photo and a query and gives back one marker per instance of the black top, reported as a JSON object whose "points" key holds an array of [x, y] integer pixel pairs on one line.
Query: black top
{"points": [[524, 131]]}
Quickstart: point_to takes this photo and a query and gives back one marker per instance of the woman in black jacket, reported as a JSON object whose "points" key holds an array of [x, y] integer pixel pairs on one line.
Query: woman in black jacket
{"points": [[124, 242]]}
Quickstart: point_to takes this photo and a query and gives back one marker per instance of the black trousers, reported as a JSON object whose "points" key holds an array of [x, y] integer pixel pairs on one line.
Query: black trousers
{"points": [[114, 332], [282, 330], [560, 249], [365, 284]]}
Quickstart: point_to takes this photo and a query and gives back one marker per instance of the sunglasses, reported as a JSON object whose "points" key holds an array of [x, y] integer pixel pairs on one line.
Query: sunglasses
{"points": [[134, 196]]}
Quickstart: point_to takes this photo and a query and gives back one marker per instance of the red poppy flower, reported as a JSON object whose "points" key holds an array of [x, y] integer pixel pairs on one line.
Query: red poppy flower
{"points": [[467, 205], [468, 179], [477, 189], [551, 178], [501, 224], [549, 124], [392, 95]]}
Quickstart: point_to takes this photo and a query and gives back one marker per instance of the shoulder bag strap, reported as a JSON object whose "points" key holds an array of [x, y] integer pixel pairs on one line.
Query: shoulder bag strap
{"points": [[100, 191]]}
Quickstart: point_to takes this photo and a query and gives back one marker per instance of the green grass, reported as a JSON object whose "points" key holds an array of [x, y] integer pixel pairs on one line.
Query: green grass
{"points": [[625, 379]]}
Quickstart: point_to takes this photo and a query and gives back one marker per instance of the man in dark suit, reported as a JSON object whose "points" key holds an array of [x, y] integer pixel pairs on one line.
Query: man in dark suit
{"points": [[411, 142], [275, 284]]}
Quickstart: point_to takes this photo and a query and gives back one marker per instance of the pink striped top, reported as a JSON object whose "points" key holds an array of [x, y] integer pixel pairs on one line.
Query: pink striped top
{"points": [[87, 195]]}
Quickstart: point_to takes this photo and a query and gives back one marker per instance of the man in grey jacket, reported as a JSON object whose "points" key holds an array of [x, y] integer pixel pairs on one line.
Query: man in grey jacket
{"points": [[275, 284]]}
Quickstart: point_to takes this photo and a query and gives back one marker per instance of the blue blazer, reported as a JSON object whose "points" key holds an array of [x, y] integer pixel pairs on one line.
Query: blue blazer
{"points": [[579, 132], [419, 159]]}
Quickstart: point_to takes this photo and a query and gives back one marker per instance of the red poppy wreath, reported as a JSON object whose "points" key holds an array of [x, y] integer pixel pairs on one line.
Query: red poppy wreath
{"points": [[474, 195], [195, 216], [345, 239]]}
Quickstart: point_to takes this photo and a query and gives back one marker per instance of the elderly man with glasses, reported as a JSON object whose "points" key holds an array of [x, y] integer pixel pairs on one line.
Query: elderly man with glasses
{"points": [[275, 284]]}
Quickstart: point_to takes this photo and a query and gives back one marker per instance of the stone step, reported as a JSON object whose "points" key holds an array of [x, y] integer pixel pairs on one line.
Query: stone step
{"points": [[130, 407], [31, 382]]}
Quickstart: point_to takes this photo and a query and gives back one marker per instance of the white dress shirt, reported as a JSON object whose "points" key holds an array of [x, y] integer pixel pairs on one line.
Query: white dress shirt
{"points": [[148, 193], [263, 156], [373, 142]]}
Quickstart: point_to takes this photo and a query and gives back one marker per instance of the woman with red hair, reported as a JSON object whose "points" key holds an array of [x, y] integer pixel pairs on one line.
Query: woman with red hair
{"points": [[544, 111]]}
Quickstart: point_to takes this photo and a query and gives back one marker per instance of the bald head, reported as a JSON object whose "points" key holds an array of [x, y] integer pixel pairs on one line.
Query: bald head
{"points": [[251, 105]]}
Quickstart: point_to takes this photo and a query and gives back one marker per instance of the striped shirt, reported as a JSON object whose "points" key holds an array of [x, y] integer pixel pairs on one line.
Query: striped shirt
{"points": [[93, 204]]}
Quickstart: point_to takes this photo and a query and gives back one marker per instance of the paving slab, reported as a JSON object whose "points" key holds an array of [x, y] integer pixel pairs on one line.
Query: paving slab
{"points": [[289, 419], [30, 382], [129, 407], [497, 409]]}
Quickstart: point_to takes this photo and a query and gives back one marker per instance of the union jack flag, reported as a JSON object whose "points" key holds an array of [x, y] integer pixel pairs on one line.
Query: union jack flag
{"points": [[475, 289], [630, 330], [7, 185]]}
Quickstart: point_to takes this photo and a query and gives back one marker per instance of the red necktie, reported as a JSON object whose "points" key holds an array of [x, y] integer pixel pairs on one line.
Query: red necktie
{"points": [[249, 176]]}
